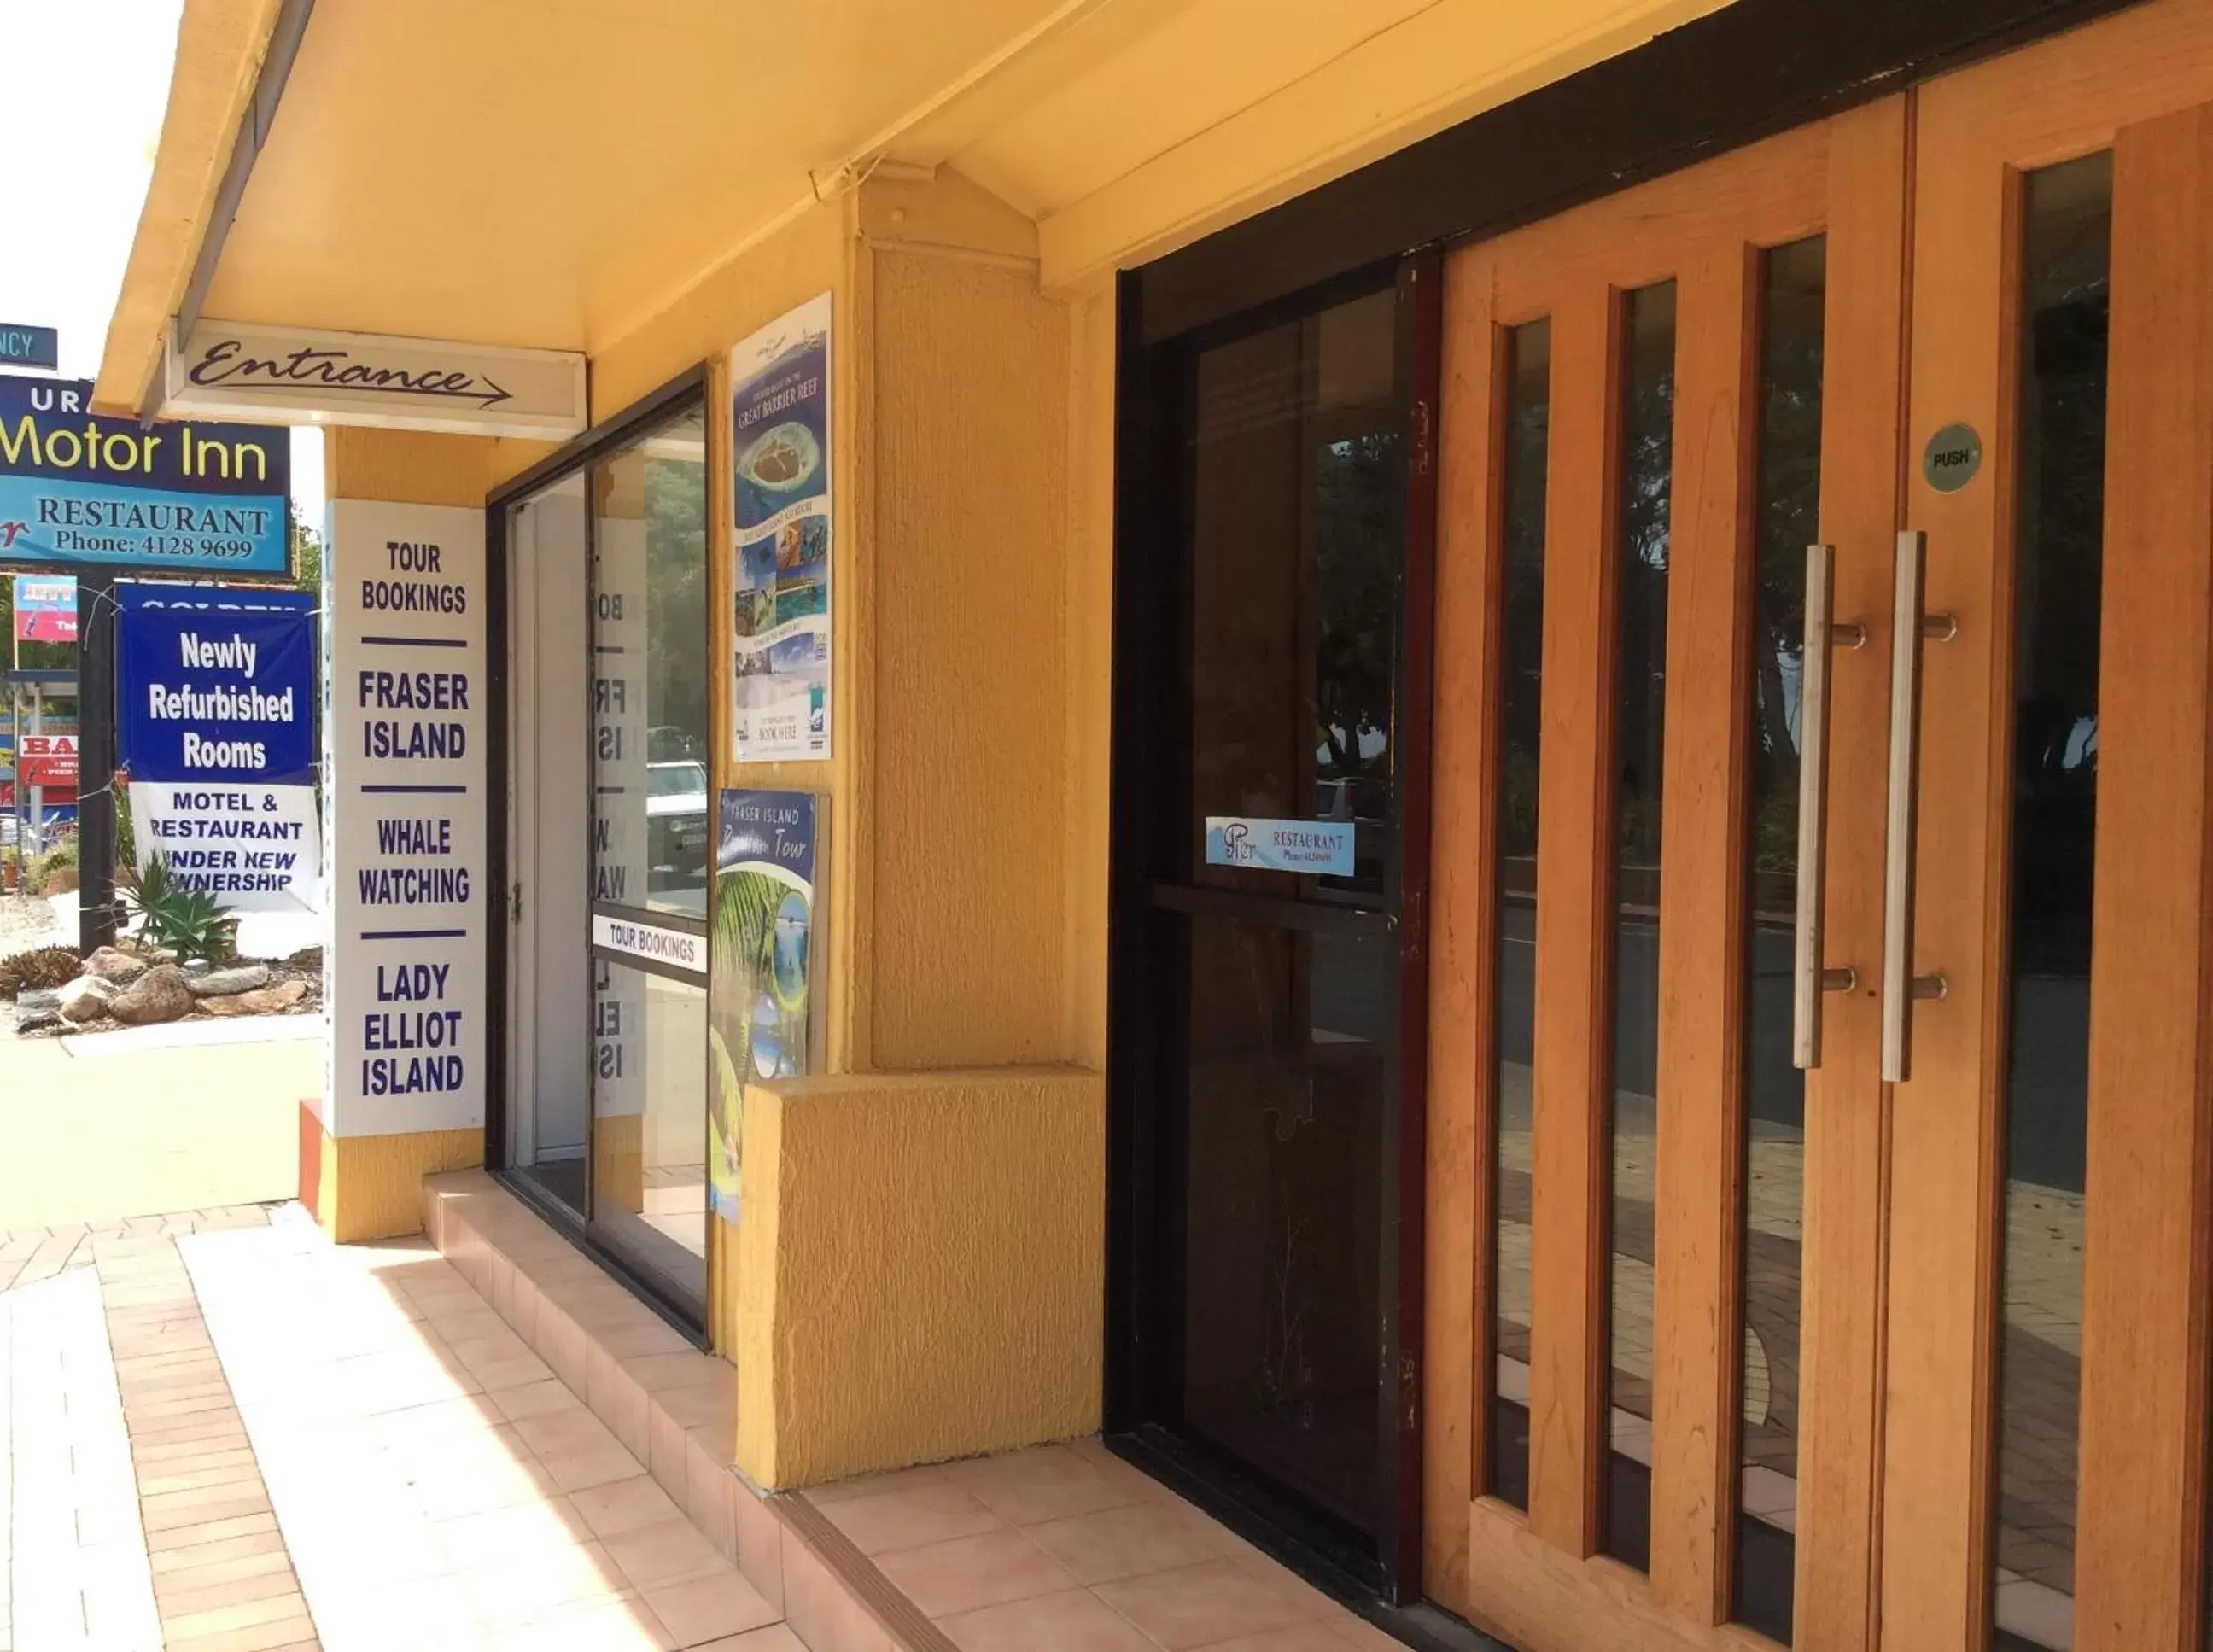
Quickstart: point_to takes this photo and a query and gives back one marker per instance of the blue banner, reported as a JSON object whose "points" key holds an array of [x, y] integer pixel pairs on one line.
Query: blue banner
{"points": [[80, 490], [216, 716], [216, 685]]}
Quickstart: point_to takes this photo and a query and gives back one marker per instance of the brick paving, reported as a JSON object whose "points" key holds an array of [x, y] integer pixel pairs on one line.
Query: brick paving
{"points": [[137, 1519], [222, 1576]]}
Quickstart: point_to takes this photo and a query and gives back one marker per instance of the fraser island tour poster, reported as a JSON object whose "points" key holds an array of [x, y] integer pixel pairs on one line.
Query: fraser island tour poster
{"points": [[766, 849]]}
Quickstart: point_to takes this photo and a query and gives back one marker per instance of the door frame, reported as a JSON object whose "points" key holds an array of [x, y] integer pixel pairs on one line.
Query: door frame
{"points": [[1148, 823]]}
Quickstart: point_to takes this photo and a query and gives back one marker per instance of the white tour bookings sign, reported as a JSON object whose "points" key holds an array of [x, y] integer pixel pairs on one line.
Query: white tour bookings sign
{"points": [[405, 756]]}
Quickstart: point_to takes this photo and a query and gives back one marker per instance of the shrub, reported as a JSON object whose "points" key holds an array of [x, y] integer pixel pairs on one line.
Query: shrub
{"points": [[42, 970], [62, 857], [190, 922]]}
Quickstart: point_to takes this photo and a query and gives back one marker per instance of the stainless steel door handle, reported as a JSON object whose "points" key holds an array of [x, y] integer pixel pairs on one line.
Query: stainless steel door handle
{"points": [[1810, 979], [1910, 628]]}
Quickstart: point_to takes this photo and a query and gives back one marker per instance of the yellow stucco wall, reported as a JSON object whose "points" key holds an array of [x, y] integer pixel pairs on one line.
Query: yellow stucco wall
{"points": [[924, 1263], [414, 466], [964, 959], [967, 829], [967, 810], [371, 1186]]}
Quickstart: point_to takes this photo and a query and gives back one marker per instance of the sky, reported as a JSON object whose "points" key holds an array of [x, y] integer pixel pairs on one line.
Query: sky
{"points": [[87, 83]]}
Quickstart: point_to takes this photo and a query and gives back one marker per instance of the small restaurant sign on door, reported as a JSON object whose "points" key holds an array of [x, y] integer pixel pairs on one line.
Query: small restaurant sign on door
{"points": [[1316, 848]]}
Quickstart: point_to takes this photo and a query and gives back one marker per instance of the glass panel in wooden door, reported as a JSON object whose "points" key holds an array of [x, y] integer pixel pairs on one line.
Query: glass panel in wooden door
{"points": [[2044, 1470], [1627, 1366]]}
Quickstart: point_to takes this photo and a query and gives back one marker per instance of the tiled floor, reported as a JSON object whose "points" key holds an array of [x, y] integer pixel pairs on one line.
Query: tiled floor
{"points": [[437, 1485], [1067, 1547], [255, 1441]]}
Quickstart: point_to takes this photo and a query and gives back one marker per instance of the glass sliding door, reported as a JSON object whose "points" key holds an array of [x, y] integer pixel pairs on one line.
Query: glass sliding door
{"points": [[650, 792], [605, 1112], [548, 541]]}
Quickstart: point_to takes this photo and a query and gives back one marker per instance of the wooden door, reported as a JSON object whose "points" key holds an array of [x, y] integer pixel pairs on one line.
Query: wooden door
{"points": [[2044, 1469], [1648, 404], [1993, 1364]]}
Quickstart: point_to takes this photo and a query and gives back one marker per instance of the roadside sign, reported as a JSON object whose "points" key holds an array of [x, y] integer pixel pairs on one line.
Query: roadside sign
{"points": [[45, 609], [29, 346], [81, 491], [48, 760]]}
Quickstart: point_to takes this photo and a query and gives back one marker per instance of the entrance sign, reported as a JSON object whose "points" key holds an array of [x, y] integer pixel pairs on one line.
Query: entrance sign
{"points": [[78, 490], [45, 609], [404, 754], [29, 346], [762, 996], [1317, 848], [215, 723], [780, 416], [303, 375]]}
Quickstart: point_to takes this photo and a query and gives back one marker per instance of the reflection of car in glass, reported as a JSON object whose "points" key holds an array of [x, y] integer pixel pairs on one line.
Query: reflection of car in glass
{"points": [[665, 742], [676, 821]]}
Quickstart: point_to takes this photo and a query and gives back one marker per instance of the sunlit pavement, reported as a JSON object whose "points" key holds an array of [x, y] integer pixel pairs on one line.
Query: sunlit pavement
{"points": [[224, 1432], [186, 1117]]}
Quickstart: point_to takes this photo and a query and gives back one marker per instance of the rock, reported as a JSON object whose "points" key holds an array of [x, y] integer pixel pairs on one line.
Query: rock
{"points": [[115, 966], [161, 993], [34, 1008], [226, 982], [86, 998], [268, 1001], [282, 996], [197, 966], [308, 958]]}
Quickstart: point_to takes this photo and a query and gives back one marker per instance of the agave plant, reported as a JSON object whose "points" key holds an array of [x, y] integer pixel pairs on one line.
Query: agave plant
{"points": [[190, 922]]}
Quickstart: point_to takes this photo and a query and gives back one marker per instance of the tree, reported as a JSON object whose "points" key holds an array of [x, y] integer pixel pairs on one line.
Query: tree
{"points": [[676, 550], [306, 553], [1358, 555]]}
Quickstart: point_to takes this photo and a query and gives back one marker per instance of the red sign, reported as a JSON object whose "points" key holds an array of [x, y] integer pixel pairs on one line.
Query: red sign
{"points": [[47, 760], [45, 609]]}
